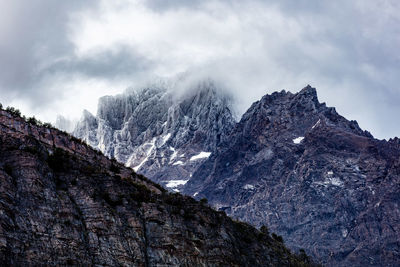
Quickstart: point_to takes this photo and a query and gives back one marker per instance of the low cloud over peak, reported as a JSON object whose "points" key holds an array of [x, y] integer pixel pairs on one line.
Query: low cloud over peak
{"points": [[59, 57]]}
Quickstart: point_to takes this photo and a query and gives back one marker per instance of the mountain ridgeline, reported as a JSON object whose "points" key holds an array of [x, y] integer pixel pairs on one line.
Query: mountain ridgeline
{"points": [[291, 163], [64, 203]]}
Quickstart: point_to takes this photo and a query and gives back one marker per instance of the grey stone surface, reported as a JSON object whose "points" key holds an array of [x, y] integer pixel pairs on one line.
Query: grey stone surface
{"points": [[313, 177], [63, 203]]}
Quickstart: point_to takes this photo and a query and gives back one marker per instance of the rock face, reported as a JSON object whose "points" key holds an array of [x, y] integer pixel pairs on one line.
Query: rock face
{"points": [[291, 163], [161, 135], [313, 177], [63, 203]]}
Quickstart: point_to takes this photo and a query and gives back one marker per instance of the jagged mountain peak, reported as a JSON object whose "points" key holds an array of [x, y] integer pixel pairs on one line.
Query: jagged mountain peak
{"points": [[315, 177], [158, 130], [297, 112], [86, 114], [308, 90]]}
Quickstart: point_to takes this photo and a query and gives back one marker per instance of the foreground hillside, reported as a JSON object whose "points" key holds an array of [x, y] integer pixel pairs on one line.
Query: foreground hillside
{"points": [[63, 203]]}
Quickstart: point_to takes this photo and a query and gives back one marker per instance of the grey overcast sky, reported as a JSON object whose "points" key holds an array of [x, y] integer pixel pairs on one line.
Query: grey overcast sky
{"points": [[58, 57]]}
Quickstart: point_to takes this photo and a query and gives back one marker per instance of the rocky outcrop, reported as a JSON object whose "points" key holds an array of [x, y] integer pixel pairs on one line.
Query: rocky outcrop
{"points": [[159, 134], [312, 176], [63, 203]]}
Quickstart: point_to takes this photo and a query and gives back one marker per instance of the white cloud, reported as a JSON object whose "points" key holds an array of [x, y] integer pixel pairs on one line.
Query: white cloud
{"points": [[347, 49]]}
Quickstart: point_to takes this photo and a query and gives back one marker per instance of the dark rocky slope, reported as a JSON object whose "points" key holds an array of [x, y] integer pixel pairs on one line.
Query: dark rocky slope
{"points": [[313, 177], [63, 203]]}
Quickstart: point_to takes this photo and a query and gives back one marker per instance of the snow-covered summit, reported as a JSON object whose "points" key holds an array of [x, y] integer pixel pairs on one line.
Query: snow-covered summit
{"points": [[157, 130]]}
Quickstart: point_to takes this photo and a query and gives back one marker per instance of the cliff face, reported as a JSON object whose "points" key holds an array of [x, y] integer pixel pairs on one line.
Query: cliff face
{"points": [[313, 177], [161, 135], [63, 203]]}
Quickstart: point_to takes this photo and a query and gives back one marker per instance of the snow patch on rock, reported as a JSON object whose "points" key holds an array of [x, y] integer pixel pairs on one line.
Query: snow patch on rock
{"points": [[176, 183], [331, 181], [151, 146], [179, 162], [201, 155], [248, 187], [174, 154], [165, 139], [298, 140], [344, 232], [315, 125]]}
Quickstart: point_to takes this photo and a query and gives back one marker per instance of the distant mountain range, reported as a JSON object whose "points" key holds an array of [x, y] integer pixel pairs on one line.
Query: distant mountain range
{"points": [[290, 163]]}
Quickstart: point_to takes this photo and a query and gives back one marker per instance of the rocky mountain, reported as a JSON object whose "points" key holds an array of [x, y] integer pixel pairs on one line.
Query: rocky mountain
{"points": [[64, 203], [312, 176], [157, 133], [291, 163]]}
